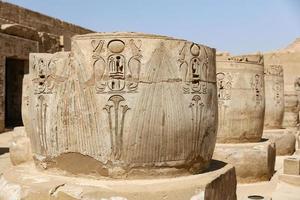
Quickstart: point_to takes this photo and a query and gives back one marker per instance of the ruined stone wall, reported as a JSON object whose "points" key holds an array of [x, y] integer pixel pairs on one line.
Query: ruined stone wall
{"points": [[10, 13]]}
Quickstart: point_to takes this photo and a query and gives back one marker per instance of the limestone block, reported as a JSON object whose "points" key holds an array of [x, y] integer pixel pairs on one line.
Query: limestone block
{"points": [[20, 148], [290, 179], [241, 98], [291, 166], [284, 140], [253, 161], [20, 31], [274, 95], [125, 103], [48, 43], [218, 183]]}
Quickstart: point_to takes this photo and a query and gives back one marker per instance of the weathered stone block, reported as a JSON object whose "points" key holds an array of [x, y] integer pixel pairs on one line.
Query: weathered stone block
{"points": [[253, 161], [20, 31], [284, 140], [291, 166]]}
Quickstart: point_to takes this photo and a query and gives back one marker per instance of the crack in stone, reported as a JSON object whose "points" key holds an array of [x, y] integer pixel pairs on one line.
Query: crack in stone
{"points": [[53, 191]]}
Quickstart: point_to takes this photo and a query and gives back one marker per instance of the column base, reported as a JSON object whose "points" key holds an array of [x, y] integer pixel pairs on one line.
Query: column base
{"points": [[297, 152], [253, 162], [284, 139], [290, 179], [26, 182]]}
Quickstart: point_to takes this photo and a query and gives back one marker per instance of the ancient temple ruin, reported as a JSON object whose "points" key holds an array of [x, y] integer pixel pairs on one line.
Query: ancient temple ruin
{"points": [[136, 116], [130, 106]]}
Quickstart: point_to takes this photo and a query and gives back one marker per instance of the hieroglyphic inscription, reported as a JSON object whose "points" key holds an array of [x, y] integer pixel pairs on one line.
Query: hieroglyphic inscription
{"points": [[257, 86], [194, 68], [114, 73]]}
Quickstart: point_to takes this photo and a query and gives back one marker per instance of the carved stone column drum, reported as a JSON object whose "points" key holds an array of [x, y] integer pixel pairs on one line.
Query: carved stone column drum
{"points": [[241, 98], [284, 139], [125, 104], [274, 93]]}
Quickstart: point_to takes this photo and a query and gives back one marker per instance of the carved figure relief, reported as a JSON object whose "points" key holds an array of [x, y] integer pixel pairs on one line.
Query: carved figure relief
{"points": [[116, 117], [41, 121], [114, 74], [257, 86], [194, 73], [45, 79]]}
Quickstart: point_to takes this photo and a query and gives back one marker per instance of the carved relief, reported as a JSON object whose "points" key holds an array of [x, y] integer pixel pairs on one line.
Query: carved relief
{"points": [[297, 84], [116, 66], [257, 86], [197, 114], [41, 121], [45, 78], [99, 65], [224, 84], [116, 117], [115, 74], [102, 113], [277, 88], [194, 73], [255, 59], [274, 70], [134, 65]]}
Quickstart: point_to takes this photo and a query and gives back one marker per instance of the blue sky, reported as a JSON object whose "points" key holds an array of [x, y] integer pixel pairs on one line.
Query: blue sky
{"points": [[237, 26]]}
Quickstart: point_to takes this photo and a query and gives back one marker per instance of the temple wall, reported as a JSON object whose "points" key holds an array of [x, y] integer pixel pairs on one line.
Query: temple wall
{"points": [[10, 13]]}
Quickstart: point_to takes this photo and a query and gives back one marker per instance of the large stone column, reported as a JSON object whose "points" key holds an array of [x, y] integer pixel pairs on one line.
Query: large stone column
{"points": [[126, 106], [241, 97], [274, 93]]}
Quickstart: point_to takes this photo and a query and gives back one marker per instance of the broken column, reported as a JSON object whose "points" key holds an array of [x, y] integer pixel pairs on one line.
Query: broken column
{"points": [[241, 98], [274, 109], [124, 106]]}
